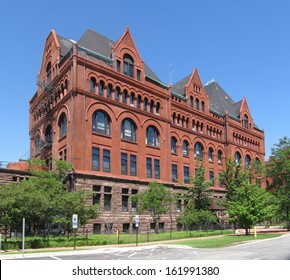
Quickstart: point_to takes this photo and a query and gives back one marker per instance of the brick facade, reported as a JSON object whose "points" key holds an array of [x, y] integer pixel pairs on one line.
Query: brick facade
{"points": [[101, 108]]}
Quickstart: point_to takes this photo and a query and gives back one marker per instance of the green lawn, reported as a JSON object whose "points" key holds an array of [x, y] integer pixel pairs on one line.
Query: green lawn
{"points": [[227, 240]]}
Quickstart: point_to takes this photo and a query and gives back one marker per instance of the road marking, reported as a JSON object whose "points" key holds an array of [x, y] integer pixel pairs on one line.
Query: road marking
{"points": [[53, 257], [132, 255]]}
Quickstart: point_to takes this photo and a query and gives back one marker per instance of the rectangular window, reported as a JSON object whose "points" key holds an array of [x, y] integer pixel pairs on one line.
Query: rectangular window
{"points": [[149, 167], [186, 174], [124, 166], [118, 66], [156, 169], [211, 177], [133, 165], [106, 161], [138, 75], [125, 200], [178, 205], [174, 172], [134, 204], [96, 194], [126, 228], [96, 159], [97, 228], [107, 202]]}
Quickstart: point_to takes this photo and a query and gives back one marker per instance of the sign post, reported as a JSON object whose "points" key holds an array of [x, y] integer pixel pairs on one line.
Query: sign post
{"points": [[23, 236], [75, 226], [137, 227]]}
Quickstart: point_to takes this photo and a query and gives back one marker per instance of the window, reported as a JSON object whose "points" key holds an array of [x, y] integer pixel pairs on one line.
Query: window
{"points": [[191, 102], [101, 88], [174, 172], [117, 94], [96, 159], [198, 151], [145, 104], [246, 121], [62, 123], [96, 194], [135, 203], [152, 106], [248, 161], [92, 85], [211, 177], [173, 145], [48, 73], [152, 136], [97, 228], [37, 143], [138, 75], [133, 165], [149, 167], [101, 123], [186, 174], [202, 107], [118, 65], [139, 100], [156, 169], [128, 130], [132, 97], [128, 64], [157, 108], [210, 155], [107, 199], [48, 134], [106, 161], [125, 200], [238, 158], [185, 148], [124, 97], [197, 104], [124, 164], [220, 157], [109, 91]]}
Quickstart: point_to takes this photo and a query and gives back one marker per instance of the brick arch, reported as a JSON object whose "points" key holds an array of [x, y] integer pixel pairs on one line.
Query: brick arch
{"points": [[153, 122], [128, 114], [100, 106]]}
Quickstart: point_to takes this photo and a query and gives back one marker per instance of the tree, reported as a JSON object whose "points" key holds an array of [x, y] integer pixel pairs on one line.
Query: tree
{"points": [[246, 204], [197, 210], [156, 200], [278, 169]]}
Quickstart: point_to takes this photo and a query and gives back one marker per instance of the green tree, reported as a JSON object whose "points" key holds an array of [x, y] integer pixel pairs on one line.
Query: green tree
{"points": [[278, 169], [249, 205], [156, 200], [197, 210]]}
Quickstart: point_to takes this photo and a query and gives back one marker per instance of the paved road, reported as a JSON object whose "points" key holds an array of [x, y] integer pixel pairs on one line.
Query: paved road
{"points": [[270, 249]]}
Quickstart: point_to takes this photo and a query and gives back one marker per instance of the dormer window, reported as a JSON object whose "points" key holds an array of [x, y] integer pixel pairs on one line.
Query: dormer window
{"points": [[128, 64], [246, 121]]}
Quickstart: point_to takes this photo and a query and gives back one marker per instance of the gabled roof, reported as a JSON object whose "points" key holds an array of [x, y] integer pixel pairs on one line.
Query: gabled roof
{"points": [[101, 45], [179, 86], [220, 101]]}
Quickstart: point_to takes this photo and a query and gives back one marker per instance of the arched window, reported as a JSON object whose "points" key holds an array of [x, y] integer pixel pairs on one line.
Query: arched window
{"points": [[48, 73], [248, 161], [139, 100], [198, 151], [128, 130], [101, 123], [246, 121], [210, 154], [185, 148], [101, 88], [197, 104], [128, 63], [132, 97], [124, 96], [145, 104], [117, 94], [238, 158], [173, 145], [62, 124], [48, 134], [152, 136], [152, 106], [191, 101], [202, 107], [109, 91], [220, 157], [157, 108], [93, 85], [37, 142]]}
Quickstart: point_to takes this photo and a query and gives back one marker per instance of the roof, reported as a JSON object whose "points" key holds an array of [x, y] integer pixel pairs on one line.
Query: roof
{"points": [[179, 86], [220, 101], [99, 44]]}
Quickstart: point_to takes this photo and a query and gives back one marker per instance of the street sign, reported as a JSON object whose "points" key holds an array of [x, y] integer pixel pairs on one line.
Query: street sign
{"points": [[75, 221], [137, 221]]}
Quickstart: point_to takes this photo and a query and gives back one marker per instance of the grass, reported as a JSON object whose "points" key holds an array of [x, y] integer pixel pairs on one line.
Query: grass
{"points": [[227, 240]]}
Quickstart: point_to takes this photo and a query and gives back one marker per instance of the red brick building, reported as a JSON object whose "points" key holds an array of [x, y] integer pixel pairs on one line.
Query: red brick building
{"points": [[100, 107]]}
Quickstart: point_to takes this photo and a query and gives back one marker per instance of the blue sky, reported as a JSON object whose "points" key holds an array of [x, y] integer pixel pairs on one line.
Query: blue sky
{"points": [[243, 45]]}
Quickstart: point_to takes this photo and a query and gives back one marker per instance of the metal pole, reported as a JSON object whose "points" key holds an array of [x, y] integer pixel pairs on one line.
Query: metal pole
{"points": [[136, 236], [75, 239], [0, 240], [23, 235]]}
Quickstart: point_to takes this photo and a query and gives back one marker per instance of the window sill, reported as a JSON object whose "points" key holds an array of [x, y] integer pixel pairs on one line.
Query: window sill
{"points": [[103, 135]]}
